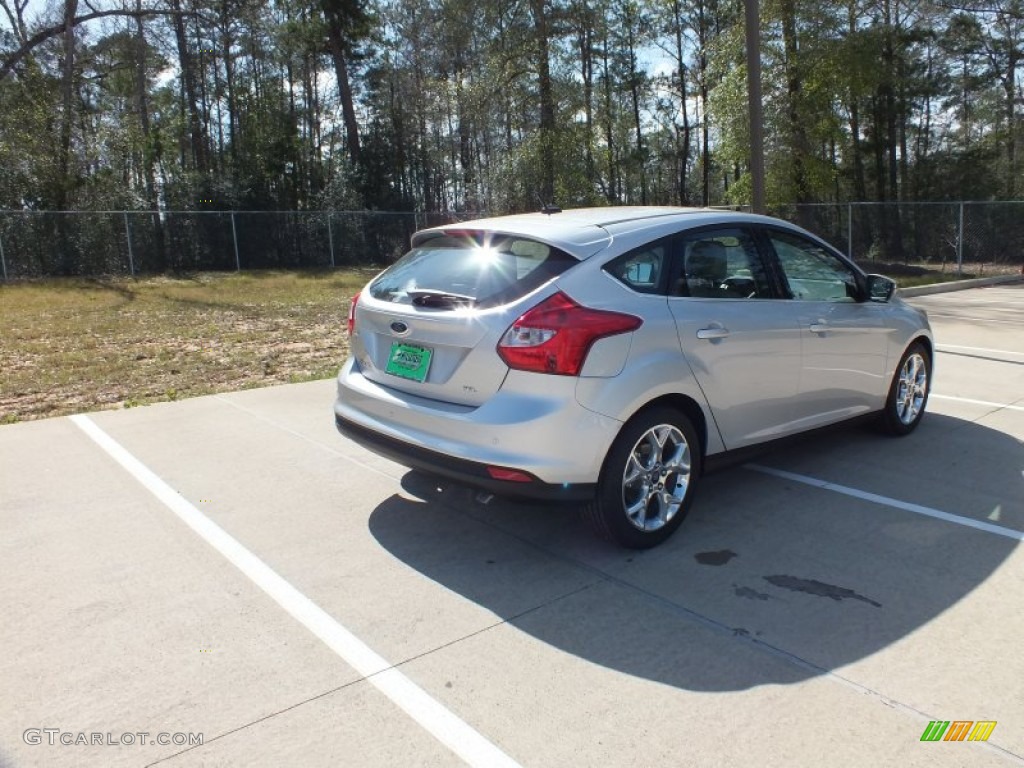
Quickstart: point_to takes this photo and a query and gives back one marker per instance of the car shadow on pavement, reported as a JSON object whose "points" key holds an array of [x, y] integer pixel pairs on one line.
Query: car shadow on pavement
{"points": [[768, 581]]}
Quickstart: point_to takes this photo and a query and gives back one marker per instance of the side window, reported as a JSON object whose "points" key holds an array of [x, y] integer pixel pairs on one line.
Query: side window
{"points": [[641, 269], [813, 274], [720, 264]]}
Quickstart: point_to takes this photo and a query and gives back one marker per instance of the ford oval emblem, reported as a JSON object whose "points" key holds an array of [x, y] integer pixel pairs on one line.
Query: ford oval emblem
{"points": [[399, 328]]}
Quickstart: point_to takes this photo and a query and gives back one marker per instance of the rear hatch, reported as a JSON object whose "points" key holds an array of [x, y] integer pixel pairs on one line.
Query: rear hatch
{"points": [[429, 324]]}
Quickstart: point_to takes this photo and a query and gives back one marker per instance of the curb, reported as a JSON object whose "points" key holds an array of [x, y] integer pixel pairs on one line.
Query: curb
{"points": [[959, 285]]}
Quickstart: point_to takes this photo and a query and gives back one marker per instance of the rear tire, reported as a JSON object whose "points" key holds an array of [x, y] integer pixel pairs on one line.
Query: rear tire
{"points": [[648, 479], [908, 393]]}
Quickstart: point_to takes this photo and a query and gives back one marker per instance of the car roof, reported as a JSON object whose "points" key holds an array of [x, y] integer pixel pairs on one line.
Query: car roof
{"points": [[584, 231]]}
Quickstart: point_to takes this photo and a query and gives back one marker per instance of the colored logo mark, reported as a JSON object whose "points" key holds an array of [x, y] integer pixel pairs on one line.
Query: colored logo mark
{"points": [[958, 730]]}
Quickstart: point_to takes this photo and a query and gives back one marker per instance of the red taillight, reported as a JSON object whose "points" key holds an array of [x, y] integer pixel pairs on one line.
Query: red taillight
{"points": [[352, 314], [555, 336], [510, 475]]}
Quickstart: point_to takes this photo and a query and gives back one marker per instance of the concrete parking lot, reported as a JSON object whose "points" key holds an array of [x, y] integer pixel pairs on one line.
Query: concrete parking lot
{"points": [[228, 569]]}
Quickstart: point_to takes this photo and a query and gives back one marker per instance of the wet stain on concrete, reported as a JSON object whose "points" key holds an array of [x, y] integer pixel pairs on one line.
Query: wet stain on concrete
{"points": [[750, 594], [721, 557], [818, 588]]}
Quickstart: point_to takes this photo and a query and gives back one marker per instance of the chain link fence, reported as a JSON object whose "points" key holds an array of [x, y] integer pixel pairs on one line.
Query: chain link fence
{"points": [[979, 238], [46, 243]]}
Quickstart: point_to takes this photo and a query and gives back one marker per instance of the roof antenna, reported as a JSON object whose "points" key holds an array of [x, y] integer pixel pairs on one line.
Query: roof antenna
{"points": [[547, 208]]}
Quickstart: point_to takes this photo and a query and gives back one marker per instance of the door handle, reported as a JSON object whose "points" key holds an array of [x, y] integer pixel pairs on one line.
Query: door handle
{"points": [[819, 327], [712, 333]]}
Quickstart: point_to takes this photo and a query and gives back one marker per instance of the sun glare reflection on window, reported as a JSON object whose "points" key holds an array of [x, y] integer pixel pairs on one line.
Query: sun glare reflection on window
{"points": [[485, 256]]}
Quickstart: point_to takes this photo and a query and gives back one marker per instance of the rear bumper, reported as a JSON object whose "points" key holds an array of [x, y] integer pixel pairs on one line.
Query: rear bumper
{"points": [[469, 473], [533, 425]]}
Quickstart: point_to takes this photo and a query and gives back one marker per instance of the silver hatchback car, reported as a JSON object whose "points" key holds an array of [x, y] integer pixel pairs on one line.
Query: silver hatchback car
{"points": [[602, 356]]}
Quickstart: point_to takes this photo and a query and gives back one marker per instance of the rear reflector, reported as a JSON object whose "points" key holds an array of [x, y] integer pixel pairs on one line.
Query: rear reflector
{"points": [[511, 475]]}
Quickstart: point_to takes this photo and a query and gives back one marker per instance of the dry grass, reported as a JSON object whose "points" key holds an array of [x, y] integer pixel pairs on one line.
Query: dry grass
{"points": [[912, 275], [71, 345]]}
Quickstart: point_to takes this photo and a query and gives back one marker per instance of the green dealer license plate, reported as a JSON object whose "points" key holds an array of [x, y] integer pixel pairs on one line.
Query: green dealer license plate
{"points": [[409, 361]]}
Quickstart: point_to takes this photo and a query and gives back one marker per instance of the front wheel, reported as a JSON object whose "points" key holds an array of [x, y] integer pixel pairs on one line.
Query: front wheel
{"points": [[908, 394], [647, 480]]}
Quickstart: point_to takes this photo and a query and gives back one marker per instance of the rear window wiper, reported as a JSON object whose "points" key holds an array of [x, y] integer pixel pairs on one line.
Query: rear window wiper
{"points": [[428, 297]]}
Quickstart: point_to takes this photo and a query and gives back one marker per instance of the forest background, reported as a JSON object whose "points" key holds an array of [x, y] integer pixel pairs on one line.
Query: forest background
{"points": [[496, 105]]}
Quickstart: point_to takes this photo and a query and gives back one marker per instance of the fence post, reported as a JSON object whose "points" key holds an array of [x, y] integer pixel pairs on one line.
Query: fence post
{"points": [[849, 230], [3, 259], [330, 236], [128, 234], [234, 236], [960, 243]]}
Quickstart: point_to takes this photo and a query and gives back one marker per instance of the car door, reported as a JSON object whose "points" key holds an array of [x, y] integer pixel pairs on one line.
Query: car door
{"points": [[740, 340], [844, 335]]}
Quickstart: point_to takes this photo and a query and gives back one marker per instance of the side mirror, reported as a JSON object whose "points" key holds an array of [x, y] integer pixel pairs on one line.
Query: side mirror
{"points": [[880, 288]]}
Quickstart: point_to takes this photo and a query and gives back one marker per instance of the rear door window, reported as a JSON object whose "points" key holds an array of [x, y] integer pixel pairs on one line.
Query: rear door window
{"points": [[474, 269], [720, 264]]}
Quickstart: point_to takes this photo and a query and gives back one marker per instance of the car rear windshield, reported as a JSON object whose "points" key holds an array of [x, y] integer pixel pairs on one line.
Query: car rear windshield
{"points": [[470, 269]]}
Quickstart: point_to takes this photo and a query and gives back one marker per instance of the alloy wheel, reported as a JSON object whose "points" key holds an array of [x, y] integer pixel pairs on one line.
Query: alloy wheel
{"points": [[655, 478], [912, 388]]}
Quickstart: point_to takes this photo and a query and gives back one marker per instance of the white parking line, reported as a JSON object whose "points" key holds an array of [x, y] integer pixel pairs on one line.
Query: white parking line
{"points": [[885, 500], [986, 403], [949, 347], [936, 313], [439, 721]]}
